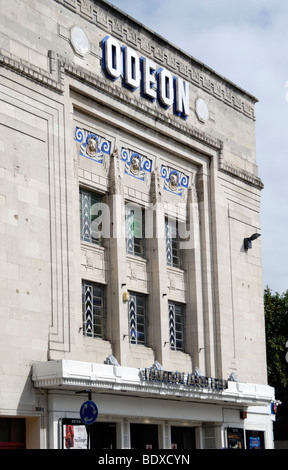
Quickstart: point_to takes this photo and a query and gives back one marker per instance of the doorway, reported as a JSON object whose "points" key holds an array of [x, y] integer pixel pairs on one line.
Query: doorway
{"points": [[183, 438], [103, 436], [144, 436]]}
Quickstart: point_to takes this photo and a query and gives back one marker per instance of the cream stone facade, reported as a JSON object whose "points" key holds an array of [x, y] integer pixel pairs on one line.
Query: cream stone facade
{"points": [[129, 182]]}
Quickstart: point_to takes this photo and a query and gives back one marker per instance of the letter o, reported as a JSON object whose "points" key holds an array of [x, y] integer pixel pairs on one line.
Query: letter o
{"points": [[112, 63]]}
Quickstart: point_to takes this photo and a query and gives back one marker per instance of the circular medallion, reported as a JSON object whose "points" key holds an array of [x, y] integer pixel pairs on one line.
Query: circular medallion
{"points": [[79, 40], [202, 110]]}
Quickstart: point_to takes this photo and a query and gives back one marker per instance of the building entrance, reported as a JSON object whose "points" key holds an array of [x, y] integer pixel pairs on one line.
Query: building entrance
{"points": [[103, 436], [183, 437], [12, 433], [144, 436]]}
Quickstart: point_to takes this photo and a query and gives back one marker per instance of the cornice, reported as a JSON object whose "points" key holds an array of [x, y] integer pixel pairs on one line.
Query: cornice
{"points": [[242, 175], [62, 66], [29, 71]]}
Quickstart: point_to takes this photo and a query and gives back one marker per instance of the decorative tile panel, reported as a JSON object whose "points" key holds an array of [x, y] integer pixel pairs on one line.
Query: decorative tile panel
{"points": [[174, 180], [93, 146], [135, 164]]}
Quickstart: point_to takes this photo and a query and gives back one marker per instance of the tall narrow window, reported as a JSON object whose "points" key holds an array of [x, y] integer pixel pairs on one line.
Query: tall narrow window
{"points": [[176, 326], [173, 243], [93, 308], [90, 217], [135, 230], [138, 318]]}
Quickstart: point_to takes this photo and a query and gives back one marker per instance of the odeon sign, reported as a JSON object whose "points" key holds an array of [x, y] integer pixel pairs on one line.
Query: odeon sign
{"points": [[169, 90]]}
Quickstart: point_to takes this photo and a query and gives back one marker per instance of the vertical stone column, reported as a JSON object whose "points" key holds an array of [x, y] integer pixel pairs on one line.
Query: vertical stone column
{"points": [[117, 316], [207, 272], [192, 265], [158, 307]]}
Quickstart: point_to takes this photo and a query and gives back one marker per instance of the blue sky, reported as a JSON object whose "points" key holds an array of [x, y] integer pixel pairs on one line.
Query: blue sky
{"points": [[247, 42]]}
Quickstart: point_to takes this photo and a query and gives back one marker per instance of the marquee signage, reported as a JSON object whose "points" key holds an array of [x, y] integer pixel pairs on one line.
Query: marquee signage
{"points": [[169, 90], [154, 375]]}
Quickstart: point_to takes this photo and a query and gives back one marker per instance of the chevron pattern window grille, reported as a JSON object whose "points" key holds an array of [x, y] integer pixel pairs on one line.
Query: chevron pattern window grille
{"points": [[173, 242], [138, 318], [135, 230], [176, 326], [93, 308], [90, 217]]}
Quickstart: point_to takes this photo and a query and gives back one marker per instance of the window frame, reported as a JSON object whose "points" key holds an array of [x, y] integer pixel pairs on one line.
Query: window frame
{"points": [[138, 317], [135, 246], [98, 198], [174, 252], [176, 311], [94, 324]]}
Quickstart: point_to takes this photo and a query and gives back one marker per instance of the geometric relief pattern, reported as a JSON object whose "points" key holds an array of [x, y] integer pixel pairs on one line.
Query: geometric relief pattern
{"points": [[129, 231], [132, 319], [85, 219], [168, 234], [93, 309], [88, 310], [135, 164], [137, 318], [135, 230], [172, 326], [176, 314], [174, 180], [174, 256], [92, 146], [90, 217]]}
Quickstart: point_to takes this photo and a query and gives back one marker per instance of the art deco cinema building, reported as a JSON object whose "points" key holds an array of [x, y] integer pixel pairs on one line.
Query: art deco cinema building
{"points": [[128, 185]]}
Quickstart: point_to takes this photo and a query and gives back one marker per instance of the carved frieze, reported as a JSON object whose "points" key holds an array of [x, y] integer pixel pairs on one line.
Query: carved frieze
{"points": [[92, 146], [174, 180], [136, 165]]}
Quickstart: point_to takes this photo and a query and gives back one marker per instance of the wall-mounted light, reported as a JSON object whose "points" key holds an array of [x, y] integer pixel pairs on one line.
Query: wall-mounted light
{"points": [[248, 241]]}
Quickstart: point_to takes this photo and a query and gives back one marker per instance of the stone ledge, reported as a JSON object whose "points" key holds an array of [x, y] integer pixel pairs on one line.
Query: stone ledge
{"points": [[29, 71], [239, 173]]}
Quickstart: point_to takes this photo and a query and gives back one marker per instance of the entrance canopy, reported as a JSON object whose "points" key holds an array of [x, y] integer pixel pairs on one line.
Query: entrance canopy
{"points": [[76, 375]]}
